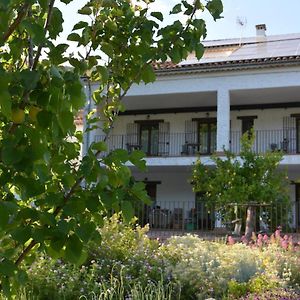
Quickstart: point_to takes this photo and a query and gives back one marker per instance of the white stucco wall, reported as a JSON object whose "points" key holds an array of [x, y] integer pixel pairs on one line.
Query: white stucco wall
{"points": [[267, 119], [248, 79], [174, 191]]}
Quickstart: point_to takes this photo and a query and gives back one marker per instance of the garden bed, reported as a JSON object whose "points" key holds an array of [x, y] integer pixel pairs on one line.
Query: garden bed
{"points": [[127, 264]]}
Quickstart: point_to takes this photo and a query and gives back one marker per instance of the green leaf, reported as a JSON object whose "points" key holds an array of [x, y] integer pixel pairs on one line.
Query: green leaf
{"points": [[85, 10], [57, 244], [148, 74], [29, 79], [99, 146], [11, 155], [66, 1], [74, 37], [22, 277], [85, 231], [4, 215], [54, 71], [138, 190], [43, 4], [176, 9], [7, 268], [158, 15], [56, 54], [56, 23], [78, 64], [82, 259], [77, 94], [215, 7], [44, 118], [73, 249], [199, 49], [22, 234], [103, 72], [66, 121], [112, 25], [76, 206], [36, 31], [5, 103], [137, 158], [107, 49], [80, 25], [127, 210]]}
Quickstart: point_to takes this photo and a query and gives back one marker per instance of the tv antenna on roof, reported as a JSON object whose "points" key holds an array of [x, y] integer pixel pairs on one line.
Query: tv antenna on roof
{"points": [[242, 22]]}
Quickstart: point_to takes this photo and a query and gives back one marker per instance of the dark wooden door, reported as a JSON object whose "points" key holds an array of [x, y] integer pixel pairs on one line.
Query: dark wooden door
{"points": [[207, 132], [151, 191], [145, 213], [149, 138], [247, 125]]}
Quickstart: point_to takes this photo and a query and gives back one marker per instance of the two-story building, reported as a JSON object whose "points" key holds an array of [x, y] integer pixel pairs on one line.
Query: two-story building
{"points": [[201, 106]]}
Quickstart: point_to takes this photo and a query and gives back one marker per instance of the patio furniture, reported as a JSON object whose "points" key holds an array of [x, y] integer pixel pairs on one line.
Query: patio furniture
{"points": [[285, 145]]}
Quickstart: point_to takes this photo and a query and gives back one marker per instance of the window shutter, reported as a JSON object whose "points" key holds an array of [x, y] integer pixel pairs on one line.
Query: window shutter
{"points": [[132, 136], [191, 132], [164, 138], [288, 143]]}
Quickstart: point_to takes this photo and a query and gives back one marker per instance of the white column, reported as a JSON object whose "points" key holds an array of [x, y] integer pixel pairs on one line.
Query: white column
{"points": [[223, 119]]}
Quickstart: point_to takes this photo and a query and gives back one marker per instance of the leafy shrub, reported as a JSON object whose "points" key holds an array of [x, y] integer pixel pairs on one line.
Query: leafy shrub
{"points": [[209, 269], [275, 294], [126, 264], [124, 253]]}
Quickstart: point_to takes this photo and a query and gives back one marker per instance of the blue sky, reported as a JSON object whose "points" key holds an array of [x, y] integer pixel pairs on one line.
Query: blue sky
{"points": [[280, 16]]}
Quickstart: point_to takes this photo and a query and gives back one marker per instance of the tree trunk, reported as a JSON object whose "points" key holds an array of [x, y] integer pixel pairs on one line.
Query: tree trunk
{"points": [[250, 222]]}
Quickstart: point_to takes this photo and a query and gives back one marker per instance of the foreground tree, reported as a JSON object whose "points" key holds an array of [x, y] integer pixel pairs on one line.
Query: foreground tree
{"points": [[44, 204], [249, 179]]}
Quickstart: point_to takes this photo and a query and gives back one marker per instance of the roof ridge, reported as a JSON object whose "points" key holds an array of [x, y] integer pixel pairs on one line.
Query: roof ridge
{"points": [[250, 37]]}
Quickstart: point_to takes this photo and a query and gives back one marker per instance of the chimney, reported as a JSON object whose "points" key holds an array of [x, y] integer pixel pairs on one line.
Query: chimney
{"points": [[261, 30]]}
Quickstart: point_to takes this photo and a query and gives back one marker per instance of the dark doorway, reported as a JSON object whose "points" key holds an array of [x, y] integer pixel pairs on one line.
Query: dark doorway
{"points": [[144, 210], [247, 125], [151, 188], [207, 133], [149, 138]]}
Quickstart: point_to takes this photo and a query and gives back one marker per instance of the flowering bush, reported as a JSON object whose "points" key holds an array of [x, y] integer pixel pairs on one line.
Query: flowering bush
{"points": [[126, 264], [210, 269], [124, 253]]}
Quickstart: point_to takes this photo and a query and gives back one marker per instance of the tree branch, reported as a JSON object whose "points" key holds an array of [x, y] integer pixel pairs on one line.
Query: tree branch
{"points": [[46, 26], [69, 194], [21, 14], [25, 252]]}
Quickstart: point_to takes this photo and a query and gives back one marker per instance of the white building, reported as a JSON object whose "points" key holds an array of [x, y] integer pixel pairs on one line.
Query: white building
{"points": [[198, 107]]}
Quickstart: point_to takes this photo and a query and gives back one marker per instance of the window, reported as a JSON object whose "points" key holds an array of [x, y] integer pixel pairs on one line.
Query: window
{"points": [[247, 123], [150, 136], [207, 132], [200, 136]]}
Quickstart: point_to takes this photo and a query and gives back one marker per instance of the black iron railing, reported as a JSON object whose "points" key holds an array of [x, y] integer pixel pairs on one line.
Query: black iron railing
{"points": [[268, 140], [183, 144], [200, 216]]}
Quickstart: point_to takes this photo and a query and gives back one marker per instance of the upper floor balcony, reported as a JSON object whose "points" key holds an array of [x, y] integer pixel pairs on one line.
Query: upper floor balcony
{"points": [[157, 143]]}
